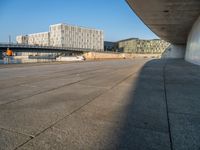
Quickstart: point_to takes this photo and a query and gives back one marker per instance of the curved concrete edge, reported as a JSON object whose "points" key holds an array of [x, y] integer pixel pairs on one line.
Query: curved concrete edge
{"points": [[170, 20], [193, 44]]}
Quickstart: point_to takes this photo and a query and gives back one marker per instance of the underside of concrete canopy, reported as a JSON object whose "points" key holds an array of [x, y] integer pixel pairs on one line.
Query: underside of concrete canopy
{"points": [[171, 20]]}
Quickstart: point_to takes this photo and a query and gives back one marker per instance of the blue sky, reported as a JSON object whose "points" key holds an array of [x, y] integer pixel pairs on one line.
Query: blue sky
{"points": [[30, 16]]}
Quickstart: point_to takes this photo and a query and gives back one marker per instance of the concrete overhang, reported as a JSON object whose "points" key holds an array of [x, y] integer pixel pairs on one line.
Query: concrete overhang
{"points": [[171, 20]]}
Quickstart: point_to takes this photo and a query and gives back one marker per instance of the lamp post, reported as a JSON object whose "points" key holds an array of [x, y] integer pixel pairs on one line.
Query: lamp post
{"points": [[9, 38]]}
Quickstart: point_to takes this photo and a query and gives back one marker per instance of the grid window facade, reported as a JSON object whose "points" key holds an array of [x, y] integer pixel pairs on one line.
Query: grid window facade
{"points": [[62, 35]]}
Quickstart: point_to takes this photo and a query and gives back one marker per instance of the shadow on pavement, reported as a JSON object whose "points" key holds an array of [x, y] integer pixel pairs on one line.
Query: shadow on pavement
{"points": [[145, 125], [162, 112]]}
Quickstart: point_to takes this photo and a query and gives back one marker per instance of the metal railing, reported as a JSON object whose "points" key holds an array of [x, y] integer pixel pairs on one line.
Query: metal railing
{"points": [[16, 45]]}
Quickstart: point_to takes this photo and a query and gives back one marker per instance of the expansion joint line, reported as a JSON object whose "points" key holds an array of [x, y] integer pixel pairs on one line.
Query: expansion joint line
{"points": [[74, 111], [166, 104]]}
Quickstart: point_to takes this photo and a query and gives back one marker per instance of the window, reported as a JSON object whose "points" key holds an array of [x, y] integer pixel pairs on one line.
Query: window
{"points": [[59, 27]]}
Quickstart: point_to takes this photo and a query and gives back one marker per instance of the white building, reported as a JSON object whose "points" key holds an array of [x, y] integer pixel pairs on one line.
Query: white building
{"points": [[22, 39], [41, 39], [63, 35]]}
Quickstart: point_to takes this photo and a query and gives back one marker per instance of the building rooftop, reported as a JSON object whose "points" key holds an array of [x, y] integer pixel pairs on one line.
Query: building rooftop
{"points": [[90, 28], [38, 33], [136, 39]]}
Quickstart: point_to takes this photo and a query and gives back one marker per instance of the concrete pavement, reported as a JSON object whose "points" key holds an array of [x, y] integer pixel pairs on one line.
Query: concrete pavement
{"points": [[117, 104]]}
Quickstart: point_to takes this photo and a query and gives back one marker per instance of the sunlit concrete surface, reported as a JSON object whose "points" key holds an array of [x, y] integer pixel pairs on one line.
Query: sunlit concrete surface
{"points": [[118, 104]]}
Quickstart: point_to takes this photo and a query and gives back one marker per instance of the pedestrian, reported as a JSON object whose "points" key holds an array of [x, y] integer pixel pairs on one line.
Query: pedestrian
{"points": [[4, 55]]}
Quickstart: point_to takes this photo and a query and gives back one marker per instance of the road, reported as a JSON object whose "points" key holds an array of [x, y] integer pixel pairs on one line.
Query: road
{"points": [[115, 104]]}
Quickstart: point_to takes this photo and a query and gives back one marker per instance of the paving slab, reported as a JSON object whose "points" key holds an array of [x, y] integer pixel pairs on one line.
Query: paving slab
{"points": [[118, 119], [118, 104], [99, 137], [34, 114], [182, 90], [10, 140], [185, 131], [183, 98]]}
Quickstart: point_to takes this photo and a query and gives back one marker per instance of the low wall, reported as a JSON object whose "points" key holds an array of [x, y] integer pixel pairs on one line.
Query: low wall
{"points": [[174, 51], [104, 55]]}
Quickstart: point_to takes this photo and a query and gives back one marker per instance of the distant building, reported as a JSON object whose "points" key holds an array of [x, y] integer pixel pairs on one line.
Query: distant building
{"points": [[42, 39], [128, 45], [63, 35], [135, 45], [110, 46], [22, 39]]}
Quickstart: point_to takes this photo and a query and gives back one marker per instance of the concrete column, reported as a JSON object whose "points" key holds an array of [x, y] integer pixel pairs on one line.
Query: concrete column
{"points": [[193, 44]]}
